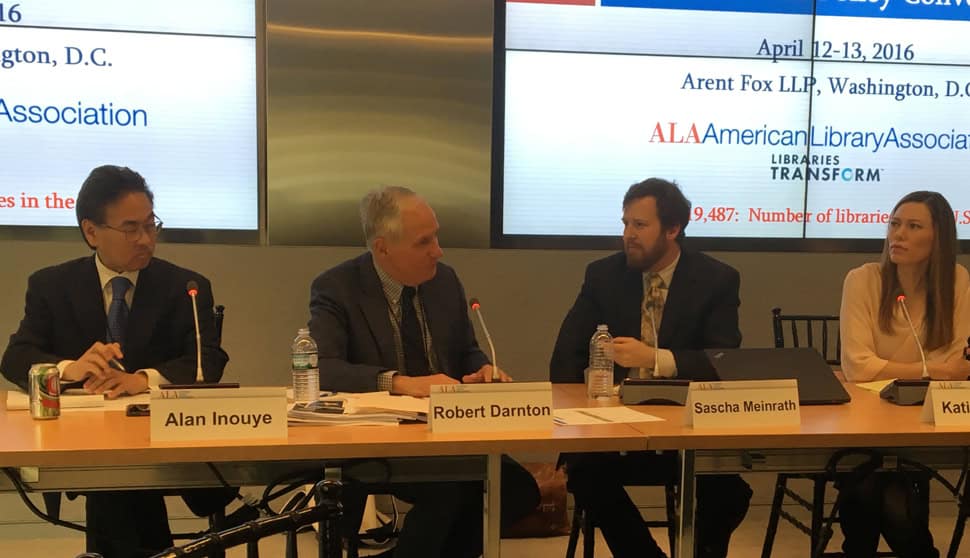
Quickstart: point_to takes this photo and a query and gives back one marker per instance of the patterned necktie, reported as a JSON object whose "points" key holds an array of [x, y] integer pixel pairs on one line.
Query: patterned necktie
{"points": [[651, 310], [118, 310], [415, 357]]}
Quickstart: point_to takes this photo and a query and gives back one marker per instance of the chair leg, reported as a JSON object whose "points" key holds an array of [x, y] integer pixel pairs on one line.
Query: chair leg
{"points": [[291, 550], [960, 524], [589, 535], [573, 532], [670, 492], [957, 534], [818, 513], [781, 482], [52, 501], [216, 521]]}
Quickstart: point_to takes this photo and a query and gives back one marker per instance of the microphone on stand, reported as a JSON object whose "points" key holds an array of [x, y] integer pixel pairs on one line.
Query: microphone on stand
{"points": [[908, 392], [477, 308], [193, 289], [902, 303]]}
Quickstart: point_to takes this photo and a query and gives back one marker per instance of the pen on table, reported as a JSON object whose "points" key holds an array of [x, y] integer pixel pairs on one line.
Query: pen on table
{"points": [[591, 415]]}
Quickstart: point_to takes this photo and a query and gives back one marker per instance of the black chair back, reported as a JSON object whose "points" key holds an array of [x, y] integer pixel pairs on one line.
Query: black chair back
{"points": [[818, 331]]}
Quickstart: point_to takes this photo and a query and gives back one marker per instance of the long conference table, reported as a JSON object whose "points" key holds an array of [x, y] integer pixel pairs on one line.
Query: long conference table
{"points": [[100, 450]]}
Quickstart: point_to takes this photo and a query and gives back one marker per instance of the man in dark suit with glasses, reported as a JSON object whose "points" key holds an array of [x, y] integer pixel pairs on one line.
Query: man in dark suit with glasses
{"points": [[115, 323]]}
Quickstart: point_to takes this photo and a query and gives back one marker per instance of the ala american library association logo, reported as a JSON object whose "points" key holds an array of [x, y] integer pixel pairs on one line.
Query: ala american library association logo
{"points": [[782, 166]]}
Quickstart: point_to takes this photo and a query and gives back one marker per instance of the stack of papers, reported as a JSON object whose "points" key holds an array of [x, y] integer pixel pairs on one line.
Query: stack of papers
{"points": [[314, 413], [77, 399], [374, 408], [406, 406], [600, 415]]}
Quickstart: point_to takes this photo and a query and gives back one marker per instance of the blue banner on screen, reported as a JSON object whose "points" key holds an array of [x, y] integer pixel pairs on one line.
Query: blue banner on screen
{"points": [[758, 6], [777, 122], [138, 84], [958, 10]]}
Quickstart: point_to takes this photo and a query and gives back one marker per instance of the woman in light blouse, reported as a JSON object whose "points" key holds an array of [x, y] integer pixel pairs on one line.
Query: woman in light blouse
{"points": [[918, 262]]}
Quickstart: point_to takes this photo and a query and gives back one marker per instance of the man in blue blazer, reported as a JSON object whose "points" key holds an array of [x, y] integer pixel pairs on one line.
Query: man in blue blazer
{"points": [[117, 322], [694, 300], [395, 319]]}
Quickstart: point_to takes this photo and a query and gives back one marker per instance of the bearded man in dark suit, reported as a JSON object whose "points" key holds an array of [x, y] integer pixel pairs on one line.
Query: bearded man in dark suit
{"points": [[664, 304]]}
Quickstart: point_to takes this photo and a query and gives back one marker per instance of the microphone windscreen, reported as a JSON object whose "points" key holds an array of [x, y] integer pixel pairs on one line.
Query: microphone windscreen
{"points": [[192, 287]]}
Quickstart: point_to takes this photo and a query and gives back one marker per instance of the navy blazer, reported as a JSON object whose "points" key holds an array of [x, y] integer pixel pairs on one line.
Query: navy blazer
{"points": [[65, 315], [701, 312], [349, 320]]}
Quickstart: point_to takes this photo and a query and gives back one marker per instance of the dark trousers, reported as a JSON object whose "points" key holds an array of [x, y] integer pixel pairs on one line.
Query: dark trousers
{"points": [[135, 523], [131, 524], [597, 482], [446, 517], [895, 505]]}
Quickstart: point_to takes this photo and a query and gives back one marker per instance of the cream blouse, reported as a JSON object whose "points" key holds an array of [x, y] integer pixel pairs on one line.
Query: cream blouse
{"points": [[866, 348]]}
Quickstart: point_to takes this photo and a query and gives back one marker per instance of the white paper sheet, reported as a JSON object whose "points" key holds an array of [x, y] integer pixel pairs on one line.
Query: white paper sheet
{"points": [[600, 415]]}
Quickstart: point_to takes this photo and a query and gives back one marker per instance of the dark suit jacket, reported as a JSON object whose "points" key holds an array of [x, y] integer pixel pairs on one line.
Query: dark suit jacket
{"points": [[349, 321], [701, 312], [65, 315]]}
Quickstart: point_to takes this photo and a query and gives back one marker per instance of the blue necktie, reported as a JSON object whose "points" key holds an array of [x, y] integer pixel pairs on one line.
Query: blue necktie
{"points": [[118, 310]]}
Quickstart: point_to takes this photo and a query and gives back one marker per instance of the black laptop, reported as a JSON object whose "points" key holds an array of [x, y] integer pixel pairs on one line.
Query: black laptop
{"points": [[817, 385]]}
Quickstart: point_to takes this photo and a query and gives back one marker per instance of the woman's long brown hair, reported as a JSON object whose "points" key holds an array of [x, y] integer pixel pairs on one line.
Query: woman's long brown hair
{"points": [[939, 273]]}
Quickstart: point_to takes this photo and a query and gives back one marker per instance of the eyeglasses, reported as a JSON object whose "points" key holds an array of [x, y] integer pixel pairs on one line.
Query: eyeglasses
{"points": [[133, 231]]}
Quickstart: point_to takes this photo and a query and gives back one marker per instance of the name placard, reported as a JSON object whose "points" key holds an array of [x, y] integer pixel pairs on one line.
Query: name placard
{"points": [[501, 407], [947, 404], [246, 413], [743, 403]]}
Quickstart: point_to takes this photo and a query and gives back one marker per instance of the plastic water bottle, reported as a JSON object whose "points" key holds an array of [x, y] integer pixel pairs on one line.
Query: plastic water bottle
{"points": [[306, 375], [599, 380]]}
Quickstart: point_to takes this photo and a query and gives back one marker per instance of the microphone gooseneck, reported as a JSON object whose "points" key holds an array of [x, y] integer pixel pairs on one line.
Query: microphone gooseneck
{"points": [[902, 303], [192, 288], [476, 307]]}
